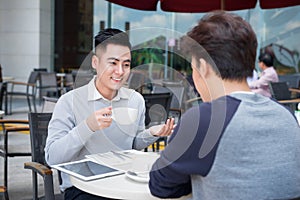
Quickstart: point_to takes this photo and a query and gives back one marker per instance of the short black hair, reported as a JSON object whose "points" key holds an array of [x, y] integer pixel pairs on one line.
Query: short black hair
{"points": [[228, 40], [266, 58], [111, 36]]}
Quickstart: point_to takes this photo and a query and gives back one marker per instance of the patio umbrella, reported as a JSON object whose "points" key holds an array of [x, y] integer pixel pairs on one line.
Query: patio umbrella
{"points": [[202, 5], [268, 4]]}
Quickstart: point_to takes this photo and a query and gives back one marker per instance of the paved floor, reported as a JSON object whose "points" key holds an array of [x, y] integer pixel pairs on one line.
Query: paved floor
{"points": [[19, 179]]}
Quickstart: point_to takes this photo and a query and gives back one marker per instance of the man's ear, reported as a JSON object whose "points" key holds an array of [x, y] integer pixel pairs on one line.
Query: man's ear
{"points": [[95, 61], [204, 67]]}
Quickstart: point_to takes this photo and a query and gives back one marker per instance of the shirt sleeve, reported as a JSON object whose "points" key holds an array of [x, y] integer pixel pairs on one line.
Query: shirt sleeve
{"points": [[263, 81], [170, 174], [143, 137], [63, 132]]}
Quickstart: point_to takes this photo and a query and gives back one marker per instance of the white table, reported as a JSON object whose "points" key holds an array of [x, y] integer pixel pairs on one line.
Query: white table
{"points": [[117, 187], [7, 78]]}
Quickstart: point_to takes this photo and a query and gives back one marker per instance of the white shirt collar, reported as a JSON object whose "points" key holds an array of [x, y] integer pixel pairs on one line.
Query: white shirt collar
{"points": [[242, 92], [94, 94]]}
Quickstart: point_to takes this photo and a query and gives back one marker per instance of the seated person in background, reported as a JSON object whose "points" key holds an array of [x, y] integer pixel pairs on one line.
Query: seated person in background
{"points": [[237, 144], [268, 74], [81, 123]]}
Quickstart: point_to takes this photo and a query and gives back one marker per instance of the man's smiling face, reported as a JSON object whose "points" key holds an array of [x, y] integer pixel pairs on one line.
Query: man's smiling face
{"points": [[113, 68]]}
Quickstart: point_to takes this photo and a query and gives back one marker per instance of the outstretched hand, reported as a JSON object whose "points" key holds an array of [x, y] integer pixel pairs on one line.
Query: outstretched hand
{"points": [[163, 129]]}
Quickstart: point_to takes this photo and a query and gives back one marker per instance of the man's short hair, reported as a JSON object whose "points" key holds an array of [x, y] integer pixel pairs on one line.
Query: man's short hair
{"points": [[111, 36], [228, 40], [266, 58]]}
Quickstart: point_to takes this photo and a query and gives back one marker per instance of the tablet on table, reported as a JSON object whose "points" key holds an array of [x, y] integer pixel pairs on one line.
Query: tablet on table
{"points": [[87, 170]]}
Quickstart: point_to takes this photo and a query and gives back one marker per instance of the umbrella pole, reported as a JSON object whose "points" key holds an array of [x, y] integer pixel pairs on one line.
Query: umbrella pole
{"points": [[109, 15], [223, 4]]}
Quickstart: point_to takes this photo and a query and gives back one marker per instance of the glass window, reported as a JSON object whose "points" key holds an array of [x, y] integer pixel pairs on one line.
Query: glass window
{"points": [[277, 30]]}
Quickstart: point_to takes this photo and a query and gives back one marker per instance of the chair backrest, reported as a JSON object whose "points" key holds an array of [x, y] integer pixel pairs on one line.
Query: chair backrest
{"points": [[48, 84], [81, 77], [40, 69], [157, 107], [69, 80], [48, 79], [280, 90], [38, 124], [292, 80], [33, 77], [178, 90]]}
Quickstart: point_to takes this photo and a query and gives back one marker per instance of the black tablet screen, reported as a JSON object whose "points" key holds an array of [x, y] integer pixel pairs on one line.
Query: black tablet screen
{"points": [[88, 168]]}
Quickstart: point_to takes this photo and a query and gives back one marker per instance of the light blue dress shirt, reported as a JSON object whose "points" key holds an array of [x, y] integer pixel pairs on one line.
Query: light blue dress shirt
{"points": [[69, 137]]}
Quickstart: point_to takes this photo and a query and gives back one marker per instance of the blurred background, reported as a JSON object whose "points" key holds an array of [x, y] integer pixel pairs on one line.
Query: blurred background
{"points": [[58, 34]]}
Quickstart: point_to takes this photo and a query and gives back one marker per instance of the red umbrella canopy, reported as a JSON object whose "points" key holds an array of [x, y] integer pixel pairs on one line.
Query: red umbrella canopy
{"points": [[205, 6], [137, 4], [202, 5], [278, 3]]}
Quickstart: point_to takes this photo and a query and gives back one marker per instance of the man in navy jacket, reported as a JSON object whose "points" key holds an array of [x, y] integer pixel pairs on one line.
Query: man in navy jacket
{"points": [[237, 144]]}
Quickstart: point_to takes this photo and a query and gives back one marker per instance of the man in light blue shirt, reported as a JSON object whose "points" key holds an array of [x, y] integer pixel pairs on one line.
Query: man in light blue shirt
{"points": [[82, 124]]}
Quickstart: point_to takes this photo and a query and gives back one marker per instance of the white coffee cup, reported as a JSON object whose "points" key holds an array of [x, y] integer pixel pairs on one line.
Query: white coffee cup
{"points": [[124, 115]]}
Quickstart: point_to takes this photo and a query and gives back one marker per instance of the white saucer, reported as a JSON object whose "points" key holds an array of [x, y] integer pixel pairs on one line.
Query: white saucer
{"points": [[139, 177]]}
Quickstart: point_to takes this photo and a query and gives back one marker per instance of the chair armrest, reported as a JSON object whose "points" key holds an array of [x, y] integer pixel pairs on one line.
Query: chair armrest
{"points": [[290, 101], [2, 189], [17, 82], [294, 90], [21, 83], [14, 121], [13, 125], [196, 99], [46, 173], [176, 109], [38, 168]]}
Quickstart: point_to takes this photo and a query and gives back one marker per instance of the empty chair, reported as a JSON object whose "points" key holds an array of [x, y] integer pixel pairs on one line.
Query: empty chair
{"points": [[68, 82], [177, 105], [7, 149], [38, 123], [157, 112], [48, 84], [81, 77], [3, 193], [27, 89], [281, 92], [292, 80], [157, 108]]}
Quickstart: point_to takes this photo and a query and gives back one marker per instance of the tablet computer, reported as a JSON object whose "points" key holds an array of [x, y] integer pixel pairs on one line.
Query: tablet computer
{"points": [[87, 170]]}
